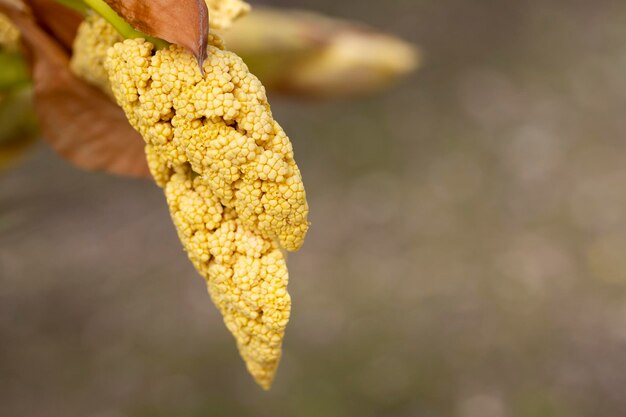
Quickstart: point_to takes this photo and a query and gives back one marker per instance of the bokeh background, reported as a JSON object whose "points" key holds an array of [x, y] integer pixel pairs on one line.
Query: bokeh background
{"points": [[467, 255]]}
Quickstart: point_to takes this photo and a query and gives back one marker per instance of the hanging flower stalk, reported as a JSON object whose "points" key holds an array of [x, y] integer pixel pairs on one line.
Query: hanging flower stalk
{"points": [[234, 191], [233, 188]]}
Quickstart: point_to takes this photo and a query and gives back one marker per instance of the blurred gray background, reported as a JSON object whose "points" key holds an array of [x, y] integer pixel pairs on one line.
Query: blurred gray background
{"points": [[467, 254]]}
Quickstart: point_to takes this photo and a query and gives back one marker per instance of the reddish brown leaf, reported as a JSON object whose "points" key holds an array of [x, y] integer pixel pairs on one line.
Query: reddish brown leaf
{"points": [[77, 120], [61, 22], [183, 22]]}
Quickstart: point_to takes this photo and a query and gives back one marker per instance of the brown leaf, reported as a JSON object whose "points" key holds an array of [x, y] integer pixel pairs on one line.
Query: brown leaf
{"points": [[183, 22], [78, 121], [61, 22]]}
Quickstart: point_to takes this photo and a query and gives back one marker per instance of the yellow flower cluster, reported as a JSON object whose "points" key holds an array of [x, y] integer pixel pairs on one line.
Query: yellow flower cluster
{"points": [[221, 124], [246, 273], [233, 188], [9, 34], [95, 36]]}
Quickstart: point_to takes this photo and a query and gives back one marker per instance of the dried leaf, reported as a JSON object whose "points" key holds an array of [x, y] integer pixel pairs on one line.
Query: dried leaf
{"points": [[61, 22], [81, 123], [183, 22]]}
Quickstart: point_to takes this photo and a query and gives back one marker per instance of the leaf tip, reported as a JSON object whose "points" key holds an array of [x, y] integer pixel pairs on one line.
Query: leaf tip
{"points": [[204, 33]]}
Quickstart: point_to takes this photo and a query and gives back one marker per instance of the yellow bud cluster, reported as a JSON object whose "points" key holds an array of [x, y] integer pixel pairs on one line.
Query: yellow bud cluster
{"points": [[246, 273], [233, 188], [9, 34], [221, 124], [95, 36]]}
